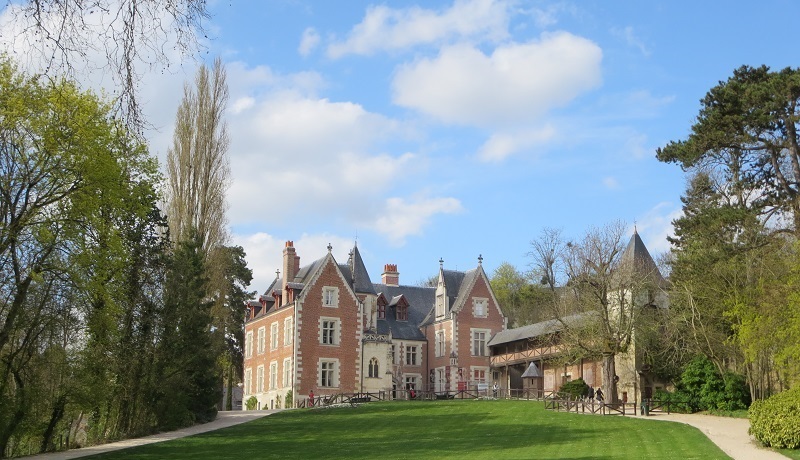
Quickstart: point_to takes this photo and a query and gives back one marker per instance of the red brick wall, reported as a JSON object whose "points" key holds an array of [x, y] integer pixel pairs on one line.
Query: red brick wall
{"points": [[466, 320], [310, 350]]}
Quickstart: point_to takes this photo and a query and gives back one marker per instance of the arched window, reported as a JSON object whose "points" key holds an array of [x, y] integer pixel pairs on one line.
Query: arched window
{"points": [[373, 367]]}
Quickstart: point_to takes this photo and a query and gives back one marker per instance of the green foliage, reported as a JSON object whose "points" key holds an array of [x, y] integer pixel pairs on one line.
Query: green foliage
{"points": [[775, 422], [288, 401], [574, 389], [706, 389], [251, 403]]}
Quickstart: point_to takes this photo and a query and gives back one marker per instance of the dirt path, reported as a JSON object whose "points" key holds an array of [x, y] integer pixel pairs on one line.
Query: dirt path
{"points": [[223, 420], [729, 433]]}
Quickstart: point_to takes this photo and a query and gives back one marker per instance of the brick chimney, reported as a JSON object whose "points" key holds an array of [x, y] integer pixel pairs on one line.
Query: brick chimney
{"points": [[291, 265], [390, 276]]}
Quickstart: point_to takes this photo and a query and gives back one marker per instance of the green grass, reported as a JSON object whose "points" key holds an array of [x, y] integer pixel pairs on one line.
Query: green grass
{"points": [[451, 429]]}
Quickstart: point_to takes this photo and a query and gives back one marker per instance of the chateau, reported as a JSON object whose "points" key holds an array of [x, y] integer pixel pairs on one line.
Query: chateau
{"points": [[325, 327]]}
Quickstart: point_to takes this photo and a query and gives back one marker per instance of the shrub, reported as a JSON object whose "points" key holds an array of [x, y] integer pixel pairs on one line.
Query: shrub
{"points": [[574, 389], [287, 403], [775, 422], [706, 389], [678, 401], [251, 403]]}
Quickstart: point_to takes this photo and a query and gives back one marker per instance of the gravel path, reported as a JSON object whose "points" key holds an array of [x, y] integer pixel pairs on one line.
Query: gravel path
{"points": [[729, 433]]}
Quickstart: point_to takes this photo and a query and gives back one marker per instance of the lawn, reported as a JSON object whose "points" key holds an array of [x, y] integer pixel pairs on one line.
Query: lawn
{"points": [[442, 429]]}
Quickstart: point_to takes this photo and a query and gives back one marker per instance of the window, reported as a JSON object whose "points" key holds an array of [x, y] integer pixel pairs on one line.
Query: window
{"points": [[327, 373], [373, 367], [287, 372], [330, 296], [440, 380], [479, 342], [411, 355], [288, 332], [402, 313], [248, 377], [381, 311], [441, 349], [260, 379], [273, 375], [261, 339], [411, 382], [479, 375], [479, 307], [273, 336], [440, 305], [330, 331], [394, 361], [248, 345]]}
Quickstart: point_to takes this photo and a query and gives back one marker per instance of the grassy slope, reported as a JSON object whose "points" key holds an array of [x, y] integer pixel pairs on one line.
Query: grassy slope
{"points": [[453, 429]]}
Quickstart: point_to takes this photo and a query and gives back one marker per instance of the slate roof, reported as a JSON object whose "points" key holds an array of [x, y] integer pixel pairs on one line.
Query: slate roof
{"points": [[420, 299], [533, 330], [636, 257], [356, 273]]}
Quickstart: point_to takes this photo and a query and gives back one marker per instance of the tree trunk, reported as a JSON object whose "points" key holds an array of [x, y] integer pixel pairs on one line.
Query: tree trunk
{"points": [[609, 380]]}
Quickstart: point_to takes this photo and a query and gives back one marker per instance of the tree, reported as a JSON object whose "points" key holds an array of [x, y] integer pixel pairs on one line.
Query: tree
{"points": [[115, 37], [605, 290], [187, 368], [72, 181], [748, 130], [522, 302], [197, 163]]}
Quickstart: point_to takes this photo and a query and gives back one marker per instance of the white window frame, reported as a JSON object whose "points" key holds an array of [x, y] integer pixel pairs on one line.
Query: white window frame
{"points": [[373, 369], [330, 296], [412, 353], [331, 366], [260, 379], [288, 332], [473, 335], [273, 336], [262, 339], [441, 347], [273, 375], [413, 380], [480, 307], [248, 380], [287, 372], [248, 345], [473, 369], [440, 305], [336, 333]]}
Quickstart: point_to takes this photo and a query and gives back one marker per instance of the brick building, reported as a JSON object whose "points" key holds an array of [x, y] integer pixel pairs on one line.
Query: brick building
{"points": [[326, 327]]}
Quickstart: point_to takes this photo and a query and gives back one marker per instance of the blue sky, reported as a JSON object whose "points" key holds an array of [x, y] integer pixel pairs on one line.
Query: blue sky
{"points": [[452, 129]]}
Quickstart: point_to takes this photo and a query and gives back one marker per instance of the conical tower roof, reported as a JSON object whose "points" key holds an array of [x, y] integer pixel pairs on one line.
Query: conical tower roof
{"points": [[636, 260]]}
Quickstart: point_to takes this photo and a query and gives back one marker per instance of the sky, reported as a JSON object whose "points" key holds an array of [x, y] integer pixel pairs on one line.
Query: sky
{"points": [[459, 129]]}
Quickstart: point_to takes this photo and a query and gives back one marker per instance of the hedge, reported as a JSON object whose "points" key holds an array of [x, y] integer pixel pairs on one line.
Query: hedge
{"points": [[775, 422]]}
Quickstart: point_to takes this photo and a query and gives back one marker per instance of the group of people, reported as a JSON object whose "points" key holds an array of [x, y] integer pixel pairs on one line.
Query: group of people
{"points": [[591, 393]]}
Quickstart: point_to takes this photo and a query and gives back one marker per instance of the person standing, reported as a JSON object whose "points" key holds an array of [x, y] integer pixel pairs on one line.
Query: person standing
{"points": [[599, 395], [311, 398], [494, 389]]}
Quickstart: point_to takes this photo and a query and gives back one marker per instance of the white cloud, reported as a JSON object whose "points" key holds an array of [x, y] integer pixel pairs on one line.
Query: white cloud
{"points": [[403, 218], [300, 158], [629, 36], [501, 145], [308, 42], [516, 84], [656, 225], [265, 252], [386, 29]]}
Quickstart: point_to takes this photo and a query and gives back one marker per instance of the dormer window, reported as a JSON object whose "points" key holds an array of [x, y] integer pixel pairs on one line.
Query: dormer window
{"points": [[402, 313], [381, 311], [440, 305]]}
